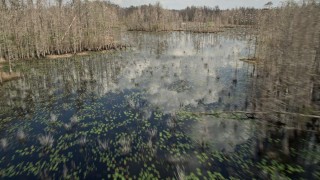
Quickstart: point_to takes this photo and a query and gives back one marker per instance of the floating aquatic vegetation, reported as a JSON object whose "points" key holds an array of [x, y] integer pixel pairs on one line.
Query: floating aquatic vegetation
{"points": [[46, 140], [4, 143], [21, 135]]}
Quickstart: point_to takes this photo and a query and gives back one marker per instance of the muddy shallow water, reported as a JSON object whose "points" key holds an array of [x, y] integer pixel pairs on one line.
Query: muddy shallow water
{"points": [[148, 112]]}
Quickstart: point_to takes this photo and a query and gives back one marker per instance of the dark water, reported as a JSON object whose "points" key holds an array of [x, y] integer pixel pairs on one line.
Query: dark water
{"points": [[150, 112]]}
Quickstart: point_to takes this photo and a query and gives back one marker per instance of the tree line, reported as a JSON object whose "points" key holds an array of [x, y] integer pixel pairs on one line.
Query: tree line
{"points": [[198, 19], [36, 28], [288, 75]]}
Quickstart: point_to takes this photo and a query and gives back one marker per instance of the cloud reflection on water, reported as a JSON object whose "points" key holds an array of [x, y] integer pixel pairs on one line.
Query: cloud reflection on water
{"points": [[182, 61]]}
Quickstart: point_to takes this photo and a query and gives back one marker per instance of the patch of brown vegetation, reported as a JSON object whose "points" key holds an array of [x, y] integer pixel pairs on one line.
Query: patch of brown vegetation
{"points": [[4, 76], [2, 60], [85, 53], [59, 56]]}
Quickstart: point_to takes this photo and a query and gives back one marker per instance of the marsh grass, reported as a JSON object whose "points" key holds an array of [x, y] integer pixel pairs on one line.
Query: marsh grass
{"points": [[125, 143], [46, 140], [171, 123], [65, 171], [180, 173], [103, 144], [83, 141], [4, 143], [74, 120], [150, 143], [53, 118], [21, 135], [67, 126], [44, 174], [152, 132]]}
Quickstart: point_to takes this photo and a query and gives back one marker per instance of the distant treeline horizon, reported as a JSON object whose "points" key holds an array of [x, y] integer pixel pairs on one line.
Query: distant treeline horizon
{"points": [[37, 28]]}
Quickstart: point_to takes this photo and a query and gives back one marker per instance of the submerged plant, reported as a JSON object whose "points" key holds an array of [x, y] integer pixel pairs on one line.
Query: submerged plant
{"points": [[21, 135], [4, 143], [46, 140]]}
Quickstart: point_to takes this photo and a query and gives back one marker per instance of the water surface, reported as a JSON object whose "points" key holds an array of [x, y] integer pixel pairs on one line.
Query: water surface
{"points": [[148, 112]]}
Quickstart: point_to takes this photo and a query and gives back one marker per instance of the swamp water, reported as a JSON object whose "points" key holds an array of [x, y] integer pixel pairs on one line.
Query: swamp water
{"points": [[149, 112]]}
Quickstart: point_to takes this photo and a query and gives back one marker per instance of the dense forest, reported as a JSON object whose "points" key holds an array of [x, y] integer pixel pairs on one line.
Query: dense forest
{"points": [[37, 28], [289, 51], [195, 19], [34, 29]]}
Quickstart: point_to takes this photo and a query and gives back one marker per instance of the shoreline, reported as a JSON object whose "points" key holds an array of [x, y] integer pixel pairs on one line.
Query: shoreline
{"points": [[176, 30], [9, 76], [86, 52], [192, 30]]}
